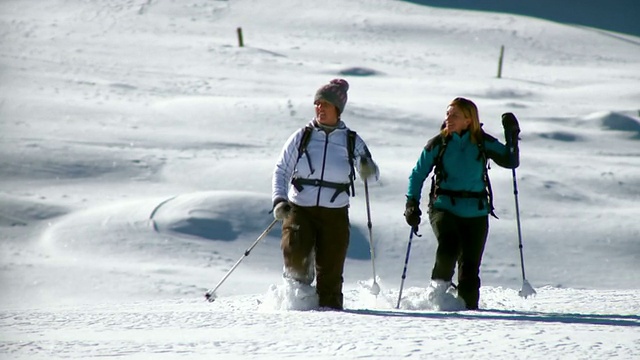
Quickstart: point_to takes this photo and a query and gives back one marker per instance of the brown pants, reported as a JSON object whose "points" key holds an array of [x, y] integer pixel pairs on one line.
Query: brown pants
{"points": [[322, 233]]}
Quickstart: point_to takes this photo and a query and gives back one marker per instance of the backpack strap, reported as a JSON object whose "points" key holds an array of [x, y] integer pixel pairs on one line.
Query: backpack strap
{"points": [[351, 147], [485, 176], [338, 187], [302, 146], [438, 172]]}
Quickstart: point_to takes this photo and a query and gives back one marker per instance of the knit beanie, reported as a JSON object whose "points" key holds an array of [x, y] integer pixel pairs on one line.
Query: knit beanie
{"points": [[334, 92]]}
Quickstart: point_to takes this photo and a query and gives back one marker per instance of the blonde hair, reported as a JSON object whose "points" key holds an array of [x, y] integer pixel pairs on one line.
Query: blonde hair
{"points": [[470, 111]]}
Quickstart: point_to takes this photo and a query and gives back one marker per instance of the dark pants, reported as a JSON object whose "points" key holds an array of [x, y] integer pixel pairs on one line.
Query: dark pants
{"points": [[460, 240], [323, 232]]}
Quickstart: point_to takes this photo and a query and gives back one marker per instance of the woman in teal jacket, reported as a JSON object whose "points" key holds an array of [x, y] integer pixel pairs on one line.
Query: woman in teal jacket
{"points": [[460, 199]]}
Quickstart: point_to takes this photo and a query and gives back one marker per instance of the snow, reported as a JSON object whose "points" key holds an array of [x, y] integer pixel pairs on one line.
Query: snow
{"points": [[137, 142]]}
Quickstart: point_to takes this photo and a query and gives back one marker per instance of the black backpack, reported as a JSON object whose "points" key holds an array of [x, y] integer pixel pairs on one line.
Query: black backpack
{"points": [[439, 174], [351, 145]]}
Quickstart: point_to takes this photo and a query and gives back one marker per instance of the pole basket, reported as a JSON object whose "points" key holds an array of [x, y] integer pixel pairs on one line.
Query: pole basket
{"points": [[526, 290]]}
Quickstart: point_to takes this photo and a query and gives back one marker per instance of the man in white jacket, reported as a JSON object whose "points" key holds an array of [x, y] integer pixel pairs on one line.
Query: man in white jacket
{"points": [[311, 185]]}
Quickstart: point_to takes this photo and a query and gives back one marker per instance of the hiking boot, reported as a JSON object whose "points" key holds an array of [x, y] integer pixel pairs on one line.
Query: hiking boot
{"points": [[437, 288], [331, 301]]}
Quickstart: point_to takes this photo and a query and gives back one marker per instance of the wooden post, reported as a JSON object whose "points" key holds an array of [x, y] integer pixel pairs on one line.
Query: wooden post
{"points": [[240, 41], [500, 61]]}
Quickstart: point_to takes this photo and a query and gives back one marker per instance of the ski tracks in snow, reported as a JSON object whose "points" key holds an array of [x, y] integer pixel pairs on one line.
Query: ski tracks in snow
{"points": [[239, 326]]}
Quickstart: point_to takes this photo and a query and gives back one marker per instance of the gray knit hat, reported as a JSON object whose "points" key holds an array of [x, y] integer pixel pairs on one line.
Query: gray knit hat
{"points": [[334, 92]]}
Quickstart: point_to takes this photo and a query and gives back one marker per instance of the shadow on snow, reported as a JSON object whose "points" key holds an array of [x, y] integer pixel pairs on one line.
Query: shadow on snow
{"points": [[506, 315]]}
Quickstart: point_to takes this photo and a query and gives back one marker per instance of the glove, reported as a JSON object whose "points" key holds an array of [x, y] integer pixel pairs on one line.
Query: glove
{"points": [[282, 209], [412, 213], [511, 129], [367, 168]]}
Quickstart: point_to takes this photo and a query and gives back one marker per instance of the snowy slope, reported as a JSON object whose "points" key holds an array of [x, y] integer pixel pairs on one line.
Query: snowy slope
{"points": [[137, 142]]}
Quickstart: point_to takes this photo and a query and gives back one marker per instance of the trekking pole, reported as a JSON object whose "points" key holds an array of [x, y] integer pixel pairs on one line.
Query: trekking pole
{"points": [[527, 289], [414, 230], [211, 294], [375, 288]]}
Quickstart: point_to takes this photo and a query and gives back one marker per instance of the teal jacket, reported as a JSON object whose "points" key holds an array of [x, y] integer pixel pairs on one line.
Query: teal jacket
{"points": [[463, 170]]}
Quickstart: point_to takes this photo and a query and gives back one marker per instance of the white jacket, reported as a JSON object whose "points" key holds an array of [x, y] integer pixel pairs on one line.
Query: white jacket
{"points": [[329, 159]]}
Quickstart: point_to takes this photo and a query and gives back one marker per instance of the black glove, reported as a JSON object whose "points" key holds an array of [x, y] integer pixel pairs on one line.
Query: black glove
{"points": [[412, 213], [511, 129], [281, 209]]}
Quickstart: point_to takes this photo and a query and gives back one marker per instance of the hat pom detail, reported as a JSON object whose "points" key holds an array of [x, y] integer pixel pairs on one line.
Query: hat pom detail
{"points": [[342, 83]]}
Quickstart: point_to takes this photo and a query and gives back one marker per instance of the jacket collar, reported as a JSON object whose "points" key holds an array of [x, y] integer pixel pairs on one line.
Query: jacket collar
{"points": [[464, 135], [316, 125]]}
